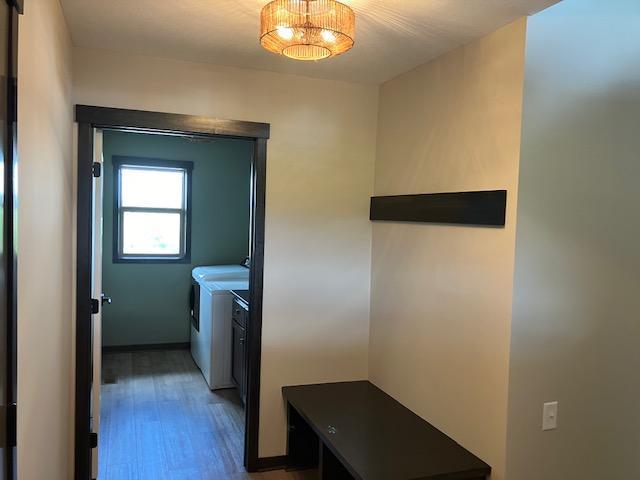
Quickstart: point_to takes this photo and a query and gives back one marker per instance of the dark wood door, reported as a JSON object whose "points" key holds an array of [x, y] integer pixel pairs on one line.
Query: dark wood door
{"points": [[9, 10]]}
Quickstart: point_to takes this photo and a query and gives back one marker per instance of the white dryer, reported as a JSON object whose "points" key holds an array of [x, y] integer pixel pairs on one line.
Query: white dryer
{"points": [[220, 272], [211, 320]]}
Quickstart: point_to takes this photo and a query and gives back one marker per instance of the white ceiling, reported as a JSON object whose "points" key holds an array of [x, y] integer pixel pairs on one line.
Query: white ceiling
{"points": [[392, 36]]}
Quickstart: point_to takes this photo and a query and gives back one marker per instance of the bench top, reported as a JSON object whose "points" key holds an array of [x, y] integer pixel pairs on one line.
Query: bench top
{"points": [[377, 438]]}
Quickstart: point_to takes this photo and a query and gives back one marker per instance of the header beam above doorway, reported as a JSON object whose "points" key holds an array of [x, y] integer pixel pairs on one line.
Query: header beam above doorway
{"points": [[170, 123]]}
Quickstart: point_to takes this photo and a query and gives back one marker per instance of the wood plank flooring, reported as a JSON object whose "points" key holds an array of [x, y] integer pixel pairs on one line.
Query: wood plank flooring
{"points": [[160, 421]]}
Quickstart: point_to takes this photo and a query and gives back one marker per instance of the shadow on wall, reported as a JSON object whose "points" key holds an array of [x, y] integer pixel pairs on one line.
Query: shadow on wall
{"points": [[574, 333]]}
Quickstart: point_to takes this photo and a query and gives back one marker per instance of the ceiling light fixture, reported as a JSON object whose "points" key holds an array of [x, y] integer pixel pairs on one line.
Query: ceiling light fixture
{"points": [[307, 29]]}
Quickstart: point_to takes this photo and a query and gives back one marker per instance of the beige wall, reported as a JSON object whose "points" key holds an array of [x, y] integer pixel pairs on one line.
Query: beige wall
{"points": [[441, 295], [576, 327], [45, 244], [319, 180]]}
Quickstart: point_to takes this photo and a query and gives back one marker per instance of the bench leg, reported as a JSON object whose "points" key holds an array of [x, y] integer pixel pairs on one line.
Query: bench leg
{"points": [[302, 442], [330, 466]]}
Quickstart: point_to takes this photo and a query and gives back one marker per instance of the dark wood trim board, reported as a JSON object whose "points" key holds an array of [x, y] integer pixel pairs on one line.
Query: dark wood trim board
{"points": [[89, 118], [9, 275], [254, 332], [84, 354], [18, 4], [272, 463], [486, 208], [124, 119]]}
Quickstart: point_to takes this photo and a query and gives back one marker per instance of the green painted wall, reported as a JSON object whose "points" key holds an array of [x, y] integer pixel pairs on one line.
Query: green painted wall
{"points": [[151, 302]]}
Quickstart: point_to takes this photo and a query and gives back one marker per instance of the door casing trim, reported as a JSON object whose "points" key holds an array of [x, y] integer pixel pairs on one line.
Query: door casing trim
{"points": [[91, 117]]}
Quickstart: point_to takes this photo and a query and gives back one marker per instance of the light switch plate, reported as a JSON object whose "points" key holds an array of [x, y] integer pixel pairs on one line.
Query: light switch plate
{"points": [[550, 416]]}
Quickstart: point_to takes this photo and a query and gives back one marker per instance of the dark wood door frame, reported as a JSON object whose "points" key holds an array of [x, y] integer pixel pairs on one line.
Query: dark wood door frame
{"points": [[89, 118], [9, 315]]}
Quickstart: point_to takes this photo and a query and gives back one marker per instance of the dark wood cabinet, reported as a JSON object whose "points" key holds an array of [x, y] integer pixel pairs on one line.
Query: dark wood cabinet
{"points": [[239, 316], [194, 304]]}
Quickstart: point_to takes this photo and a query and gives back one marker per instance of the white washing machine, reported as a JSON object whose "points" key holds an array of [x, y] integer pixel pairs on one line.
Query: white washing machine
{"points": [[221, 272], [211, 320]]}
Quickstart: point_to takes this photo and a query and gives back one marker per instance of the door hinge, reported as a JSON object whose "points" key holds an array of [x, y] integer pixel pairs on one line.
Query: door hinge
{"points": [[93, 440], [12, 425], [95, 306], [96, 169]]}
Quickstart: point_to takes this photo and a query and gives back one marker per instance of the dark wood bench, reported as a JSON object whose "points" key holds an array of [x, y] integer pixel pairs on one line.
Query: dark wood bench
{"points": [[353, 430]]}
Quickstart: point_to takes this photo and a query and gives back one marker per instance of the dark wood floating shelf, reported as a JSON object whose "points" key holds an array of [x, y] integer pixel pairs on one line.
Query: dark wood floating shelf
{"points": [[466, 208], [353, 430]]}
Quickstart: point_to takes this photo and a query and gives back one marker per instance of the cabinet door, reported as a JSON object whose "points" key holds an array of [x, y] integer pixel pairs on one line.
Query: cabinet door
{"points": [[194, 304], [238, 359]]}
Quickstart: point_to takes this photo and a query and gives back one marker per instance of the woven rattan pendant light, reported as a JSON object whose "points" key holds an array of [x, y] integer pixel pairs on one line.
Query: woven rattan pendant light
{"points": [[307, 29]]}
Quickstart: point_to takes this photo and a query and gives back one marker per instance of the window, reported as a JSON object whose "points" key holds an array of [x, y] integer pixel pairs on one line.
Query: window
{"points": [[152, 210]]}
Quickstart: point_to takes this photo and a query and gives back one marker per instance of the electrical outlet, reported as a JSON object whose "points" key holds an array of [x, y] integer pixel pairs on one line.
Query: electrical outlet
{"points": [[550, 416]]}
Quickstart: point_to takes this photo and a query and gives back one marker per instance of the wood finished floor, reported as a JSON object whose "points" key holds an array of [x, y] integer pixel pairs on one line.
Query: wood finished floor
{"points": [[160, 421]]}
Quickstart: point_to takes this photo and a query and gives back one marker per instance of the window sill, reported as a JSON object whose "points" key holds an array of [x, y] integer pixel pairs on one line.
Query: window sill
{"points": [[151, 260]]}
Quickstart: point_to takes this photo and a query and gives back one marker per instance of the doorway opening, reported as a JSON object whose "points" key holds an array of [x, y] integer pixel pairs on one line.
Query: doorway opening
{"points": [[175, 235], [169, 294]]}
